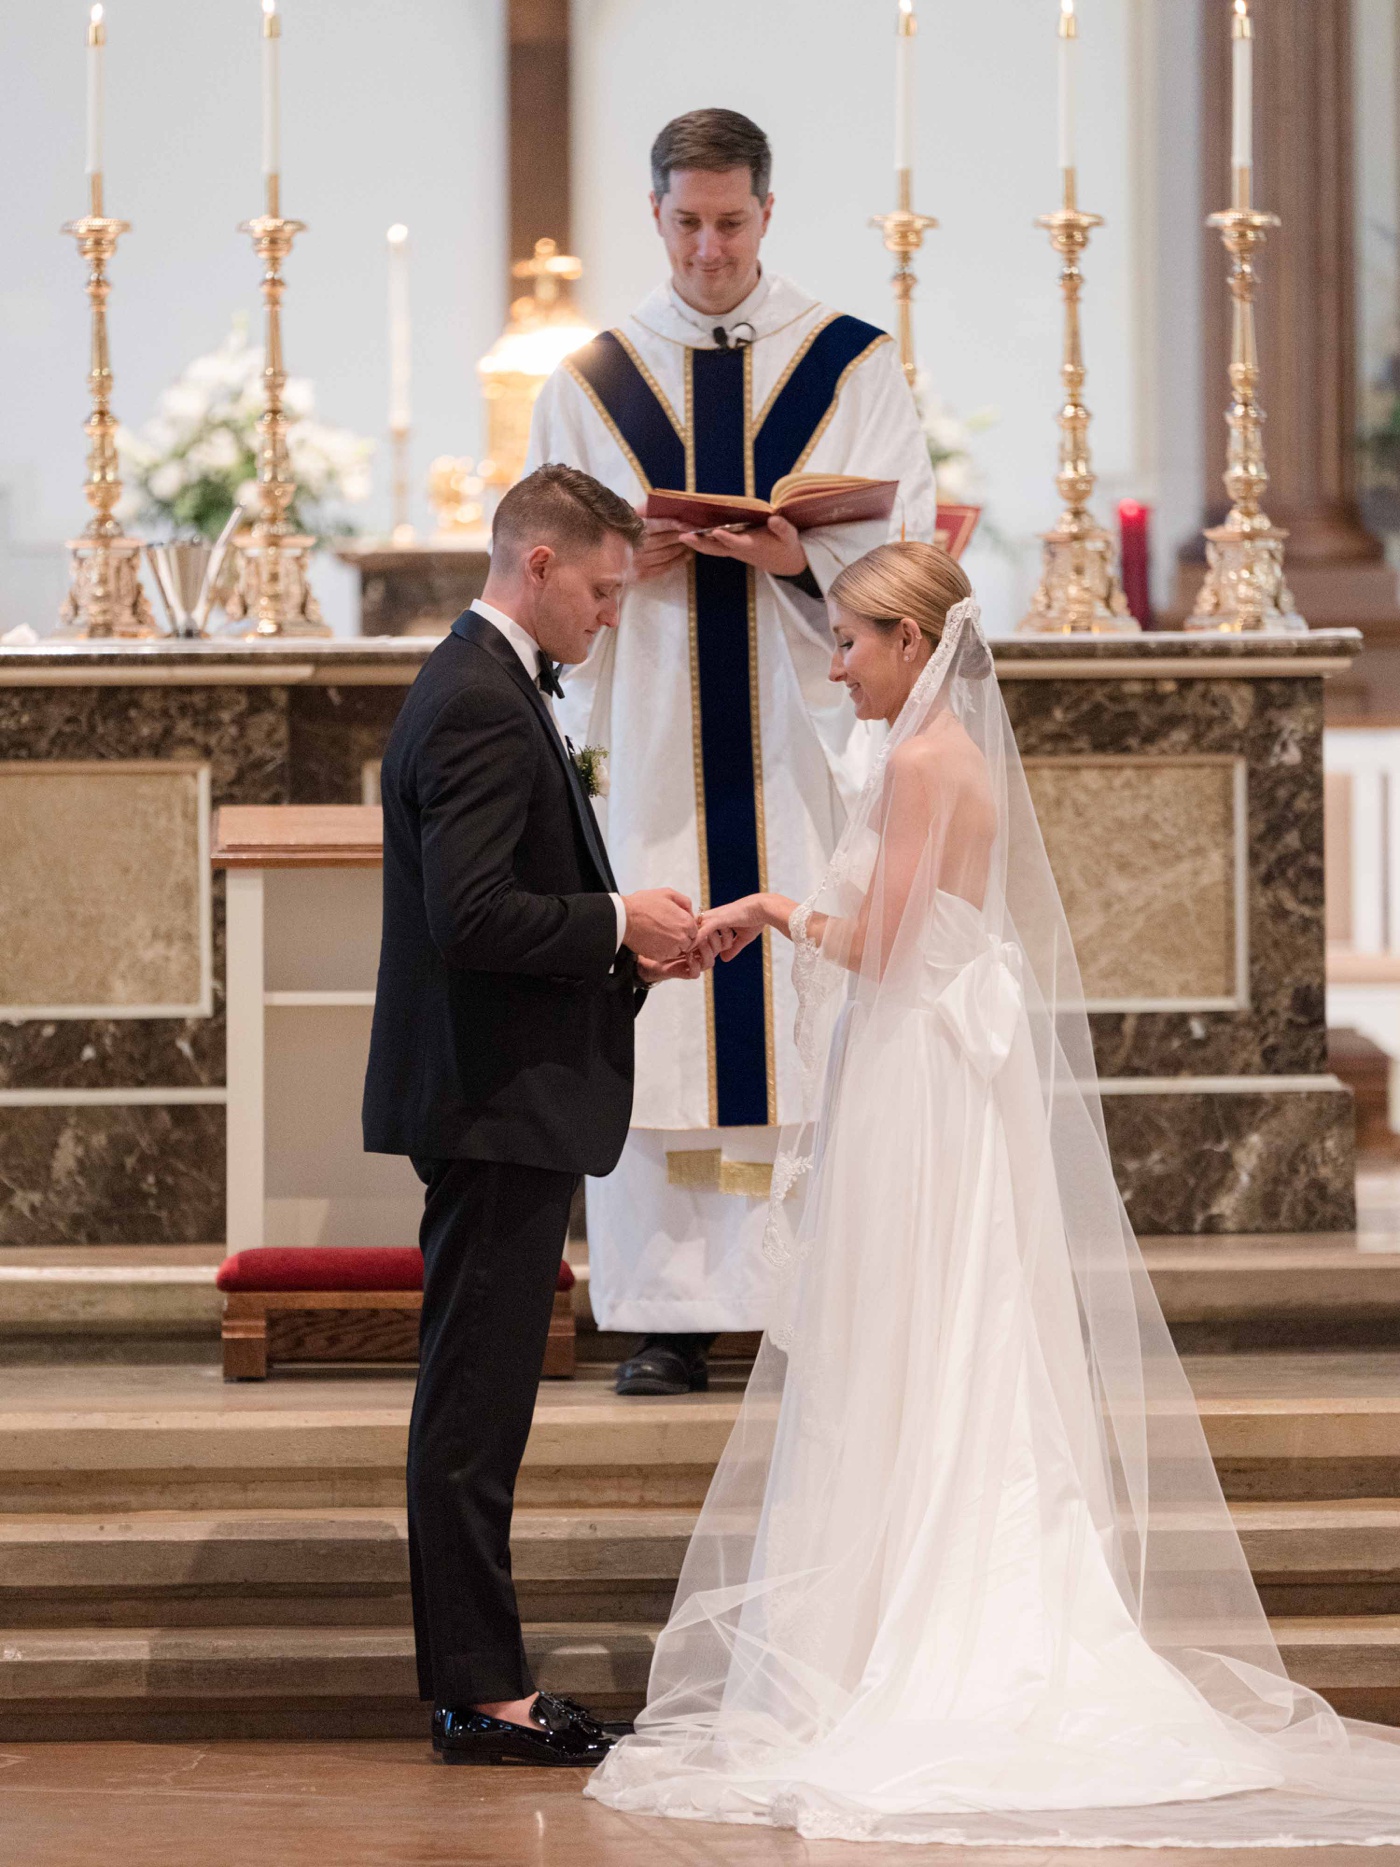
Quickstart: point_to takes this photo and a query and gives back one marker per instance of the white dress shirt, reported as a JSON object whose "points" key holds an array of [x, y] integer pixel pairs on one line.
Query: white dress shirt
{"points": [[528, 650]]}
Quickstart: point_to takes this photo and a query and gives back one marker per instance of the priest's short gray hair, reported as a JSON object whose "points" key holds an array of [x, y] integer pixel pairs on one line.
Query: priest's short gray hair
{"points": [[715, 141]]}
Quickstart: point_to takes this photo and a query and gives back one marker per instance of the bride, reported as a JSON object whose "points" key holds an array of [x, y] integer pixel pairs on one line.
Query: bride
{"points": [[965, 1573]]}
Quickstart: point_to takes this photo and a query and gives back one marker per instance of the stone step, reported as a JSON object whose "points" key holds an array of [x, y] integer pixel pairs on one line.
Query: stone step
{"points": [[71, 1302], [328, 1568], [179, 1438], [1306, 1424], [1352, 1660], [325, 1682], [1299, 1425], [1230, 1293], [350, 1568], [359, 1682]]}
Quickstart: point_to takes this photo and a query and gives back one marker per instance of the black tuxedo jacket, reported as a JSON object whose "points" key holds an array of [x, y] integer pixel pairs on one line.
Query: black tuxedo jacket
{"points": [[503, 1016]]}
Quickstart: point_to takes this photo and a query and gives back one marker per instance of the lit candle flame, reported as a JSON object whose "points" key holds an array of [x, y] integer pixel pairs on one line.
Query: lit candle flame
{"points": [[1069, 23], [906, 6], [96, 16], [398, 233], [269, 7]]}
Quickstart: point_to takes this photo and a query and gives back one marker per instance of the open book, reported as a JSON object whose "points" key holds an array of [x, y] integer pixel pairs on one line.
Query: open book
{"points": [[804, 500]]}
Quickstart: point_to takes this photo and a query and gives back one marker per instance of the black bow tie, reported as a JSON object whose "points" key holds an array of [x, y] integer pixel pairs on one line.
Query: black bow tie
{"points": [[547, 679]]}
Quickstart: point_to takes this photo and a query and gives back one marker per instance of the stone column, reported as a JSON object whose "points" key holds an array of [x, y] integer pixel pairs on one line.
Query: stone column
{"points": [[1306, 304], [538, 89]]}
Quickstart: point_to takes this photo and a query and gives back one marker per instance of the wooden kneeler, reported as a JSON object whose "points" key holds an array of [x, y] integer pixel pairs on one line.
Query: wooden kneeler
{"points": [[332, 1303]]}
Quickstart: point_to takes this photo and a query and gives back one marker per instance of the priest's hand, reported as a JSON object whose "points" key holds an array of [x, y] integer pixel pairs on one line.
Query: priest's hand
{"points": [[659, 550], [777, 548]]}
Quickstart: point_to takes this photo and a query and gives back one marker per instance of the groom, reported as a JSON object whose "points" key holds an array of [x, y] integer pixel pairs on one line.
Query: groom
{"points": [[501, 1063]]}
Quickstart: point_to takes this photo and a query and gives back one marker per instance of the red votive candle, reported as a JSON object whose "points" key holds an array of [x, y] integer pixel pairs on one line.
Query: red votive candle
{"points": [[1133, 522]]}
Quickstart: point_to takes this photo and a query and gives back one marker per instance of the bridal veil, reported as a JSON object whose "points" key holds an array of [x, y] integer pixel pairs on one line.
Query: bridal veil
{"points": [[966, 1573]]}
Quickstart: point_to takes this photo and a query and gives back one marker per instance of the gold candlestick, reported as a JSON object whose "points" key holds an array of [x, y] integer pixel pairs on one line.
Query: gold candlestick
{"points": [[1079, 591], [904, 232], [273, 589], [104, 597], [1245, 589]]}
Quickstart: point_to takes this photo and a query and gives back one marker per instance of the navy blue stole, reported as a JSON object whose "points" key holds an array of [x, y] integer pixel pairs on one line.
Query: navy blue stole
{"points": [[727, 450]]}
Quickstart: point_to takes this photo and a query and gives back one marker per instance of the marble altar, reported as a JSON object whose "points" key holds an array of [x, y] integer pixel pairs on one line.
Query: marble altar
{"points": [[1178, 779]]}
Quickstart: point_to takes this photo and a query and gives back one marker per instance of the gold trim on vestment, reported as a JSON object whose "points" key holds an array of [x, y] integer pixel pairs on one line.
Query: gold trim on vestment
{"points": [[601, 411], [650, 381], [705, 1170], [748, 431], [825, 422], [688, 433]]}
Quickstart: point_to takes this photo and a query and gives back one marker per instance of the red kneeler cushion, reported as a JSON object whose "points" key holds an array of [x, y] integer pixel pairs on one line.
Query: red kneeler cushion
{"points": [[334, 1267]]}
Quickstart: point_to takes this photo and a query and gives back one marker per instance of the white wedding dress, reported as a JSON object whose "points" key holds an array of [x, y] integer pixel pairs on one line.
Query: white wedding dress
{"points": [[965, 1573]]}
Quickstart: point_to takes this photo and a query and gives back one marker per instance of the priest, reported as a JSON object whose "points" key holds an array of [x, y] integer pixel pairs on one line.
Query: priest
{"points": [[732, 759]]}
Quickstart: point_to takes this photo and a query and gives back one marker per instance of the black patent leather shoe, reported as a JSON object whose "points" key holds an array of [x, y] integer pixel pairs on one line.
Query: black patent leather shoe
{"points": [[562, 1736], [667, 1364]]}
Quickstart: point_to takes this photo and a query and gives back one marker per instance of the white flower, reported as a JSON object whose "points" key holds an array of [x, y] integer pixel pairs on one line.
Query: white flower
{"points": [[602, 777], [167, 480], [298, 397], [135, 454], [215, 452], [185, 403], [957, 481]]}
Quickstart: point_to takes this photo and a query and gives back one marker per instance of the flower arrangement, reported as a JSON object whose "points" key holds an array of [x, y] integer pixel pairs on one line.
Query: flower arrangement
{"points": [[949, 437], [197, 455]]}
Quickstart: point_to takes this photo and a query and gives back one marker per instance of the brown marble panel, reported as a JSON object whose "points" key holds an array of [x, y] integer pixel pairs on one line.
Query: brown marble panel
{"points": [[1276, 726], [1277, 1161], [334, 733], [240, 731], [118, 1175]]}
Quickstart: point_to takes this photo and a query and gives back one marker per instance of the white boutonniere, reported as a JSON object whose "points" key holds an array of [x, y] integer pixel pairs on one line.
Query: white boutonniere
{"points": [[592, 766]]}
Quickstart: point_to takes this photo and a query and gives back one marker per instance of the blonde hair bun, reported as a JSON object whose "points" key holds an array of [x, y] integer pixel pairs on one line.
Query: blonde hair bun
{"points": [[910, 579]]}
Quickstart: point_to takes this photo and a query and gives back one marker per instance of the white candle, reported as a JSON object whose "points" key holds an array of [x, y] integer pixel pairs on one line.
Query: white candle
{"points": [[400, 339], [1069, 43], [1242, 72], [96, 43], [271, 90], [906, 26]]}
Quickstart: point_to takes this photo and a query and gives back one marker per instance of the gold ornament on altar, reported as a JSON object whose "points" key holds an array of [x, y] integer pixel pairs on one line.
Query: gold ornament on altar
{"points": [[542, 331], [1079, 592], [455, 489], [1245, 589], [904, 230], [273, 591], [104, 597]]}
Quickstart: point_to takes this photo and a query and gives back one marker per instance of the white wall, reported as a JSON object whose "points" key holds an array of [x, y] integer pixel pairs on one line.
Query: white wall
{"points": [[390, 113], [818, 75]]}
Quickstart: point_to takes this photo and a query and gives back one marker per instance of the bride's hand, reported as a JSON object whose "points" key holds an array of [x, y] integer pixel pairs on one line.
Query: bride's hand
{"points": [[733, 926]]}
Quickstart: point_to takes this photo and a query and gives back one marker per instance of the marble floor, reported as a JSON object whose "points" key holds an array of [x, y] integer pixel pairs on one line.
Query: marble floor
{"points": [[387, 1804]]}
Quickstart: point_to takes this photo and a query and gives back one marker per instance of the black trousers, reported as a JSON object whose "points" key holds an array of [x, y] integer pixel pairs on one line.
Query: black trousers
{"points": [[492, 1238]]}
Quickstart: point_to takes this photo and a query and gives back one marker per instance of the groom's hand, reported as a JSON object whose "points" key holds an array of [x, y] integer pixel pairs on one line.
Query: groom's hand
{"points": [[660, 925]]}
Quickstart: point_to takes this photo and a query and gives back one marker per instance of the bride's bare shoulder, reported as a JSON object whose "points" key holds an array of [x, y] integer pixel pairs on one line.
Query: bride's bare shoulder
{"points": [[943, 753]]}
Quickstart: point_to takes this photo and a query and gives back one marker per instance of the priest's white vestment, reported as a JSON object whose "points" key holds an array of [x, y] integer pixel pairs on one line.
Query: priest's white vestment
{"points": [[732, 757]]}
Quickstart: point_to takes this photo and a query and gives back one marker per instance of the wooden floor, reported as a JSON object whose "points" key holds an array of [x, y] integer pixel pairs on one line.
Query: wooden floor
{"points": [[387, 1804]]}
